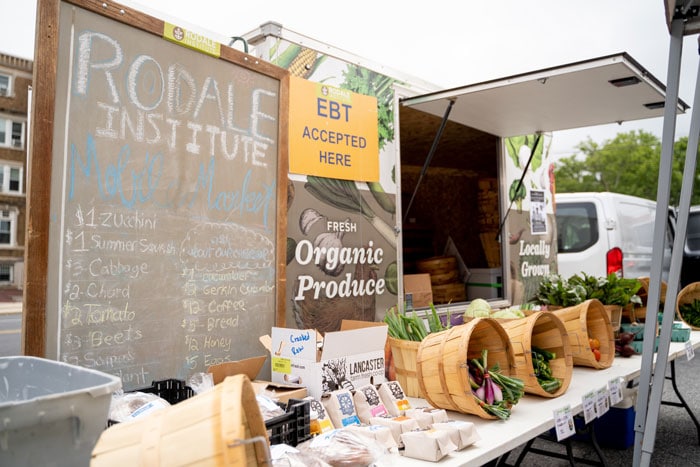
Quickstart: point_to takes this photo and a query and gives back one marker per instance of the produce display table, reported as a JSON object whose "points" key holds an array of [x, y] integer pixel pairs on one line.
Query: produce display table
{"points": [[534, 415]]}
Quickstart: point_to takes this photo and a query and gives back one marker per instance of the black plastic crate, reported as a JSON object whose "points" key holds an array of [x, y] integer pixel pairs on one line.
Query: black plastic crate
{"points": [[172, 390], [293, 427]]}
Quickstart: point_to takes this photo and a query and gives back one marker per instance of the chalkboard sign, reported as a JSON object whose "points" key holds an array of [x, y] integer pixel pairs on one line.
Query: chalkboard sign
{"points": [[164, 252]]}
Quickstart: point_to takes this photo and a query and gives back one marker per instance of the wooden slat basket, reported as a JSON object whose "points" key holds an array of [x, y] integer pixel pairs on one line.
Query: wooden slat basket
{"points": [[222, 426], [614, 313], [585, 321], [405, 353], [546, 331], [634, 314], [688, 295], [442, 363]]}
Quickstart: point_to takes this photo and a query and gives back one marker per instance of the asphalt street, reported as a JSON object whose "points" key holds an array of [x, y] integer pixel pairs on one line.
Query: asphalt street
{"points": [[10, 329]]}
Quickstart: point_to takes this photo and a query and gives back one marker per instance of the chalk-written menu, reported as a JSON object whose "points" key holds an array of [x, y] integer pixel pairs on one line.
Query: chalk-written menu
{"points": [[163, 222]]}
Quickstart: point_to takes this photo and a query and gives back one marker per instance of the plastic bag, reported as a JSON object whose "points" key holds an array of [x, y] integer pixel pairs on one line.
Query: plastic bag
{"points": [[344, 448], [131, 405], [201, 382]]}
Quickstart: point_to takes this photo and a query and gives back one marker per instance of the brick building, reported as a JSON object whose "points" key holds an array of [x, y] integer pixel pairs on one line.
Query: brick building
{"points": [[15, 86]]}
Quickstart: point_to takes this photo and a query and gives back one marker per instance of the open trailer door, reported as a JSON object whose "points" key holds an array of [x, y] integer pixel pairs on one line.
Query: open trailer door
{"points": [[519, 112]]}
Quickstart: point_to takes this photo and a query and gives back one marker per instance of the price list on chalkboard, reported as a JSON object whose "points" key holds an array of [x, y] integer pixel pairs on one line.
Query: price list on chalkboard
{"points": [[163, 204]]}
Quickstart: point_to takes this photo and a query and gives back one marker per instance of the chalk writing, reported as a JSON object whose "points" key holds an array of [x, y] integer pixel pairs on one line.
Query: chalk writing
{"points": [[168, 204]]}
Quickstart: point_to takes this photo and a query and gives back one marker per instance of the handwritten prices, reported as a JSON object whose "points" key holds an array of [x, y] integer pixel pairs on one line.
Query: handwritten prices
{"points": [[168, 210], [225, 271]]}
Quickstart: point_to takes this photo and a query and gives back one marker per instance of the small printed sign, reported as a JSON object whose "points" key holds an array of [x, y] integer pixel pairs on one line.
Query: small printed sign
{"points": [[689, 350], [191, 40], [602, 401], [589, 403], [615, 386], [564, 423], [538, 213], [282, 365]]}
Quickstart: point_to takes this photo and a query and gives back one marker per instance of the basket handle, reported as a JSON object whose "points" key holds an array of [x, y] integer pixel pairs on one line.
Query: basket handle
{"points": [[520, 362], [238, 407], [577, 345]]}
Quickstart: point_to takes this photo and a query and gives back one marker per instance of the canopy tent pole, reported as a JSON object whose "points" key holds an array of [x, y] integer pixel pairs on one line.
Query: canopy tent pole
{"points": [[647, 409]]}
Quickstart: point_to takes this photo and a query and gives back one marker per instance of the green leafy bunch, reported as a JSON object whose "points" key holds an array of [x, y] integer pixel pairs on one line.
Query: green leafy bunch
{"points": [[555, 290], [610, 290]]}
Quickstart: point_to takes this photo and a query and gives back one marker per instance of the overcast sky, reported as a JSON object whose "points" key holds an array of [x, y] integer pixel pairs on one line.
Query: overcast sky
{"points": [[442, 41]]}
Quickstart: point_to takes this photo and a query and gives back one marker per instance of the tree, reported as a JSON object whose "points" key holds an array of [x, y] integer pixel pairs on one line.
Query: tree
{"points": [[627, 164]]}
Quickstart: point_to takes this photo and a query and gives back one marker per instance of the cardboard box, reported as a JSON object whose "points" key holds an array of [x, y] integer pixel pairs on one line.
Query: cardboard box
{"points": [[279, 391], [485, 283], [251, 367], [349, 358], [418, 285]]}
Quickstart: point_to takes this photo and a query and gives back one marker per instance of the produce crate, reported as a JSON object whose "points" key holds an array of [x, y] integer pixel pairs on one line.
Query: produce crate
{"points": [[293, 427], [680, 332], [52, 413], [638, 345]]}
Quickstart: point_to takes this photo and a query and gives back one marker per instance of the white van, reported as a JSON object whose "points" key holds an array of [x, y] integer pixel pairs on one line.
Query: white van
{"points": [[601, 233]]}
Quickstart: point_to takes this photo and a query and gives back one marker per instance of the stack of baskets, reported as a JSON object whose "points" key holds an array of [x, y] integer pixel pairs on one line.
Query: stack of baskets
{"points": [[444, 279]]}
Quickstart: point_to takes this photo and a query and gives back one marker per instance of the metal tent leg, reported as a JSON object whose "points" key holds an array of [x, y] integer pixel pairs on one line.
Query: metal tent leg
{"points": [[682, 402]]}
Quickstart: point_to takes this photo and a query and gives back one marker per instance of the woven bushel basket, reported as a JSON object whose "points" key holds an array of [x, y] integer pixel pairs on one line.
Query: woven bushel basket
{"points": [[688, 295], [614, 315], [546, 331], [222, 426], [631, 313], [405, 353], [585, 321], [442, 363]]}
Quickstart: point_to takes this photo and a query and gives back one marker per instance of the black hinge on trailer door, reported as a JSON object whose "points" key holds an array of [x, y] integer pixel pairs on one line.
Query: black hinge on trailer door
{"points": [[520, 182], [429, 157]]}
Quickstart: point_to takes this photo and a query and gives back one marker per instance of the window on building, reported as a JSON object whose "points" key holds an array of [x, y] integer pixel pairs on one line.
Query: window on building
{"points": [[4, 85], [8, 227], [5, 273], [11, 133], [11, 179], [17, 128]]}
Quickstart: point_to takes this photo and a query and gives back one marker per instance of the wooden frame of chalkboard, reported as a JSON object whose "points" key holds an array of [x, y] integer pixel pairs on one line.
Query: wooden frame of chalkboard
{"points": [[157, 196]]}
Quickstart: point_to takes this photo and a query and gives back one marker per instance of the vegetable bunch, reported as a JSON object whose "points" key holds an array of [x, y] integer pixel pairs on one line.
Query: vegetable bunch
{"points": [[495, 393], [543, 370], [402, 326], [690, 312], [412, 328], [622, 344]]}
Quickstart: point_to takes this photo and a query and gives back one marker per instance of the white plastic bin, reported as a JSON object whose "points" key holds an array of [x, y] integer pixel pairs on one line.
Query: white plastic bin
{"points": [[485, 283], [51, 413]]}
